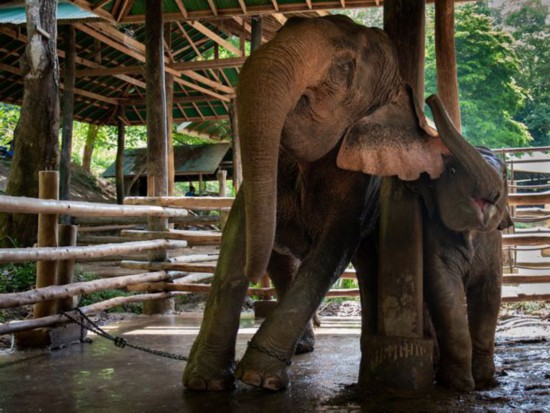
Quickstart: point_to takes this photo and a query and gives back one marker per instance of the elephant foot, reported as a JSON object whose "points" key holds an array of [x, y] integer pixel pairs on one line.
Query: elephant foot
{"points": [[456, 379], [483, 370], [208, 373], [306, 343], [259, 369]]}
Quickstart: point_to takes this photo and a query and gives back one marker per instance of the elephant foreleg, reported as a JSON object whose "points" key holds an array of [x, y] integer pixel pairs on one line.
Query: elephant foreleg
{"points": [[211, 363], [483, 308], [447, 303], [267, 359], [282, 270]]}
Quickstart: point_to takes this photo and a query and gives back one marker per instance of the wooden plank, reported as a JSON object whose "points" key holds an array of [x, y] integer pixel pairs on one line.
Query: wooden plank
{"points": [[525, 239], [188, 202], [70, 253], [540, 198], [194, 238], [40, 295], [182, 8], [222, 42], [15, 326], [170, 266], [25, 205]]}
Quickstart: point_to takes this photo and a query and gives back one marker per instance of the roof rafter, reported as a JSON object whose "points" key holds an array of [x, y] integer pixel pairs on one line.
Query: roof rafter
{"points": [[128, 48], [218, 39]]}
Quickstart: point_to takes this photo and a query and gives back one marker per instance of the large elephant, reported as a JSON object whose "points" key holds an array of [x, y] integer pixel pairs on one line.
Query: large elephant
{"points": [[321, 109]]}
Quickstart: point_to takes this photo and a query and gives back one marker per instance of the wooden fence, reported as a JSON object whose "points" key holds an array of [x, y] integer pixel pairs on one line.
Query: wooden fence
{"points": [[185, 273]]}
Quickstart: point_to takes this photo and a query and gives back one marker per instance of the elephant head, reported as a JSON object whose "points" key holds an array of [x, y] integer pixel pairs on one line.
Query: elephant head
{"points": [[471, 193], [320, 84]]}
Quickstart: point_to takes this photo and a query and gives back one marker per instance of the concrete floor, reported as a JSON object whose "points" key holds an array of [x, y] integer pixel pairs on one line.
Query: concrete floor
{"points": [[100, 377]]}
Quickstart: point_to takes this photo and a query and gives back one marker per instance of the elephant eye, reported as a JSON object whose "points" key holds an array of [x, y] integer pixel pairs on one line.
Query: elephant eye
{"points": [[452, 171], [346, 66]]}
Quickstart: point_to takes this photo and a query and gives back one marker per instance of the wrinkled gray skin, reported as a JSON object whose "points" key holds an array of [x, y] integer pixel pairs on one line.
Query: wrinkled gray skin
{"points": [[321, 93]]}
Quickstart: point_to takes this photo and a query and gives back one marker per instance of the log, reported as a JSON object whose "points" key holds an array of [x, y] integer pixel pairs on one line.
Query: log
{"points": [[119, 162], [106, 228], [25, 205], [525, 239], [188, 202], [194, 238], [532, 211], [101, 239], [195, 288], [526, 297], [127, 220], [53, 292], [194, 258], [539, 198], [78, 253], [169, 266], [15, 326], [525, 279], [65, 268]]}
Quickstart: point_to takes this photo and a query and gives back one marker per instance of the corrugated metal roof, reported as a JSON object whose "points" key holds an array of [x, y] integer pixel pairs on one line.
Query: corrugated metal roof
{"points": [[15, 14], [188, 160]]}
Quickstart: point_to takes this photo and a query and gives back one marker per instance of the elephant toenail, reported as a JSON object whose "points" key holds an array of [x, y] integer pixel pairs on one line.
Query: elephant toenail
{"points": [[252, 378]]}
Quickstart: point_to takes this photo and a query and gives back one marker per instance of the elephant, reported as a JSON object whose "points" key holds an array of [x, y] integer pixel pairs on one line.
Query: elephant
{"points": [[322, 112], [462, 255], [463, 262]]}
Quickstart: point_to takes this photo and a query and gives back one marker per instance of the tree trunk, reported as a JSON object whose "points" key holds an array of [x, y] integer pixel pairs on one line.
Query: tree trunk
{"points": [[68, 115], [89, 147], [37, 132]]}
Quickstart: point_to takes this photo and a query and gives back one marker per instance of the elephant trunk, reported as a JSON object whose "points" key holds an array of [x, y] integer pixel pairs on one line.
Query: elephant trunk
{"points": [[488, 181], [270, 84]]}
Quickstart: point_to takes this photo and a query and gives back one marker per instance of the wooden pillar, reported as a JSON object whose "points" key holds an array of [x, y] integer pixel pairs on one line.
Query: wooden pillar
{"points": [[48, 186], [65, 268], [157, 155], [237, 158], [222, 181], [119, 163], [445, 58], [169, 80], [68, 116], [398, 357]]}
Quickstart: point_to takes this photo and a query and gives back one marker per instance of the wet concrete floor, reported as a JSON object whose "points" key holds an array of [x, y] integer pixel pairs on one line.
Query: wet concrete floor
{"points": [[100, 377]]}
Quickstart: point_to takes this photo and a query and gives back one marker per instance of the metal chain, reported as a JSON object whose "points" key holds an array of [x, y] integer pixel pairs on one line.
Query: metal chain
{"points": [[270, 353], [87, 324]]}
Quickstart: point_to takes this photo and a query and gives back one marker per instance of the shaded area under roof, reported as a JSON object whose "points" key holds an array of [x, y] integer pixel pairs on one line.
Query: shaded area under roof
{"points": [[189, 160]]}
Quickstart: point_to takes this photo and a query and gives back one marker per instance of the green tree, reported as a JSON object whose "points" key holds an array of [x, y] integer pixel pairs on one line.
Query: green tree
{"points": [[487, 67], [526, 20]]}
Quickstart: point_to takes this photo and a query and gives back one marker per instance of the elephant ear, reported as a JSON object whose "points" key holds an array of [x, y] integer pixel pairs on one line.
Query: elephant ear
{"points": [[396, 139]]}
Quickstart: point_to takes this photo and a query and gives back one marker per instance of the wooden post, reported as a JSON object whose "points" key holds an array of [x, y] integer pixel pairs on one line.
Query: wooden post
{"points": [[445, 58], [237, 158], [169, 79], [256, 33], [120, 192], [65, 268], [48, 182], [398, 357], [68, 115], [157, 156], [222, 181], [201, 185]]}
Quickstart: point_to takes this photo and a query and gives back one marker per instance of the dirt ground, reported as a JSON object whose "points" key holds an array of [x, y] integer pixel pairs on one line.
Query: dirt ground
{"points": [[84, 187]]}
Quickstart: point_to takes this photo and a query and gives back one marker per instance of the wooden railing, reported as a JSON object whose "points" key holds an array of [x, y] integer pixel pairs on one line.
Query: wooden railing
{"points": [[190, 273]]}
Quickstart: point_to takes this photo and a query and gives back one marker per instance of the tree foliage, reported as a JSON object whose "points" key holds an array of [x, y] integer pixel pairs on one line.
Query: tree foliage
{"points": [[527, 22], [488, 68]]}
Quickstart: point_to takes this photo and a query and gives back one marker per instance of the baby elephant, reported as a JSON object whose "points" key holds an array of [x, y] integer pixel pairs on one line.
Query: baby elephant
{"points": [[463, 263]]}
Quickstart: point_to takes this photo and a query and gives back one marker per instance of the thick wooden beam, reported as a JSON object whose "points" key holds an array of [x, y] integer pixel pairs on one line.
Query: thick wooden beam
{"points": [[445, 57], [256, 33], [169, 80], [222, 42], [121, 131]]}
